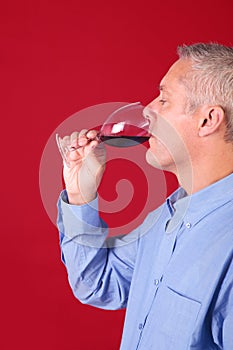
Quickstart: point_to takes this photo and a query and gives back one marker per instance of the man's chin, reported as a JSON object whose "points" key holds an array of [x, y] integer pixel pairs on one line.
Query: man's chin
{"points": [[167, 165], [152, 160]]}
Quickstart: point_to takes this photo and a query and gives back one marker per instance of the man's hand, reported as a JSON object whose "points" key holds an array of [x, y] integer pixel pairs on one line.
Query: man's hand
{"points": [[87, 164]]}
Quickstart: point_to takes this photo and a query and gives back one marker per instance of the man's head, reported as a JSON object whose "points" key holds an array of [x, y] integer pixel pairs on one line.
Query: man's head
{"points": [[194, 111]]}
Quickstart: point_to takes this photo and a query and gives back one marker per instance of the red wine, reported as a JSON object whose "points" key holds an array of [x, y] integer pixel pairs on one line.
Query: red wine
{"points": [[123, 134], [124, 141]]}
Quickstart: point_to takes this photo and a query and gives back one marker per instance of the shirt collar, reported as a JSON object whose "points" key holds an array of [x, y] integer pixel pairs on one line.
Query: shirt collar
{"points": [[175, 197], [191, 209], [176, 214]]}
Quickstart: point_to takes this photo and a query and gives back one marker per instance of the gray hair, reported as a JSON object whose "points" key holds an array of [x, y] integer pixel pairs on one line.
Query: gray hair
{"points": [[210, 80]]}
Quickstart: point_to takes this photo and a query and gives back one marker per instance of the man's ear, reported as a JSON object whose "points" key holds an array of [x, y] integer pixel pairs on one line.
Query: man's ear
{"points": [[212, 118]]}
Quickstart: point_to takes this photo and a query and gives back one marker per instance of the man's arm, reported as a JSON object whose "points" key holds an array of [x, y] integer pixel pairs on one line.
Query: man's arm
{"points": [[99, 272]]}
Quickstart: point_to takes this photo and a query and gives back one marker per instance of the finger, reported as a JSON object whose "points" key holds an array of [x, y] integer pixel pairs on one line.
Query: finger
{"points": [[91, 134], [91, 146], [82, 139], [74, 157], [64, 144], [74, 140], [83, 132], [65, 141], [74, 136]]}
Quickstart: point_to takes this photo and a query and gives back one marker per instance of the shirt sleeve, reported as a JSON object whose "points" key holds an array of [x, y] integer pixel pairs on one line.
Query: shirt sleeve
{"points": [[99, 270]]}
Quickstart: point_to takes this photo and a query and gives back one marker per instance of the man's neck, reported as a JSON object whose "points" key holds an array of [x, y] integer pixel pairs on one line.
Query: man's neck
{"points": [[207, 170]]}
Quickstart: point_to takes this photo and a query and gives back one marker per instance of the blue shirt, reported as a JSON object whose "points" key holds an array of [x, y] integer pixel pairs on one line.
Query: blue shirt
{"points": [[174, 273]]}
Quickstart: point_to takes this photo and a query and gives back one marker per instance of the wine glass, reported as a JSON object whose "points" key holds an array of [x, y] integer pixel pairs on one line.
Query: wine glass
{"points": [[127, 126]]}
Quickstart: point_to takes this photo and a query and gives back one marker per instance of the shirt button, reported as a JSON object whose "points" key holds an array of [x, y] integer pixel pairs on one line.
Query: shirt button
{"points": [[156, 282], [188, 225], [140, 326]]}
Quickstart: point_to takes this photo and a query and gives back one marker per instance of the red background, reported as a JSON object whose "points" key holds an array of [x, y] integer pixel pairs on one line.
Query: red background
{"points": [[58, 57]]}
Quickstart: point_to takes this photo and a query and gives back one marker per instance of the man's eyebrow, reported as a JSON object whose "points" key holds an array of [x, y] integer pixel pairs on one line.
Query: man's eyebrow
{"points": [[162, 87]]}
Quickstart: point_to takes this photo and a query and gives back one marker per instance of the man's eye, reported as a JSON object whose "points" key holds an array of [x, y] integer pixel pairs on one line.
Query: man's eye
{"points": [[162, 101]]}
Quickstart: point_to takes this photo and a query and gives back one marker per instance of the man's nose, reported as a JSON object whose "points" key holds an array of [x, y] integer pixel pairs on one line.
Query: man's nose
{"points": [[149, 111], [153, 105]]}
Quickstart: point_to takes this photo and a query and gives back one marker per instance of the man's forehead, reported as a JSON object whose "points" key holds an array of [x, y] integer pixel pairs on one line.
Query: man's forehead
{"points": [[174, 74], [180, 68]]}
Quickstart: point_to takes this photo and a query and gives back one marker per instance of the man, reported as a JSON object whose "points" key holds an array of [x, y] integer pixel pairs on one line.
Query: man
{"points": [[175, 277]]}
